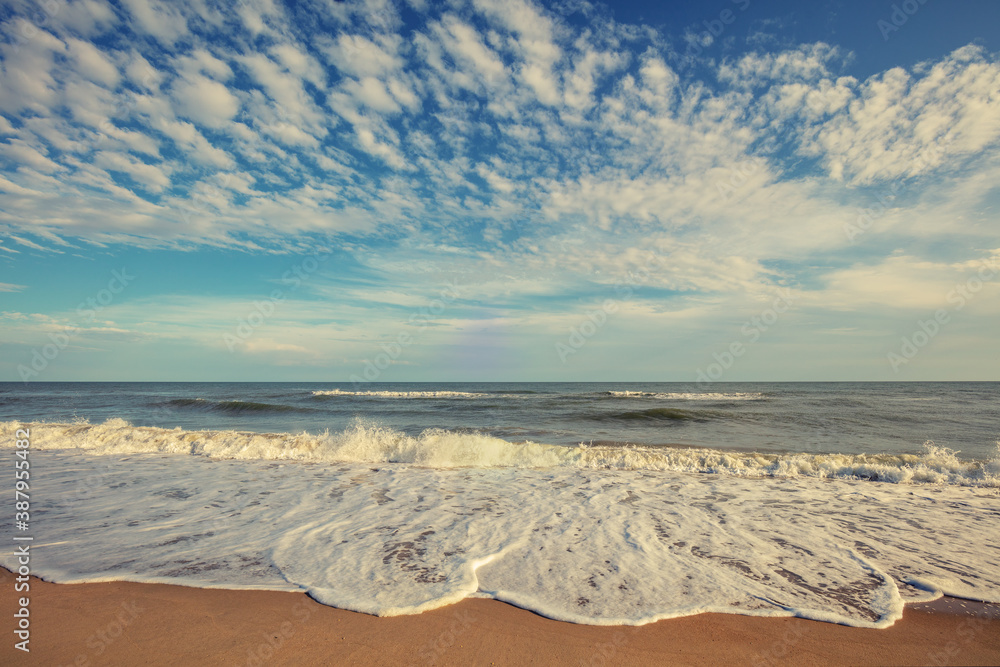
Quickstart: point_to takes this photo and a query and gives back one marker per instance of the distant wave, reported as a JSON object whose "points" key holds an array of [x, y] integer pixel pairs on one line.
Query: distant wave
{"points": [[689, 396], [677, 396], [403, 394], [235, 407], [440, 448]]}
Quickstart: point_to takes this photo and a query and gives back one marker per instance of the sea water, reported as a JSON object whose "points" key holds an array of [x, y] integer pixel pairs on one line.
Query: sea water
{"points": [[592, 503]]}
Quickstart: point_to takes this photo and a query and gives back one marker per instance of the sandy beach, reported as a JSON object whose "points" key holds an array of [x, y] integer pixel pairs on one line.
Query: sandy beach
{"points": [[123, 623]]}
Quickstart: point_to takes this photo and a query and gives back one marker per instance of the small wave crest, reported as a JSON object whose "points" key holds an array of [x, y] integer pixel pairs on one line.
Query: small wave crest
{"points": [[689, 396], [401, 394], [370, 443]]}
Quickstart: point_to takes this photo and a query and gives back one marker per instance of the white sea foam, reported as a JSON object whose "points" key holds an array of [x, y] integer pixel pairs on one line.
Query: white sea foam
{"points": [[592, 546], [690, 396], [401, 394], [438, 448], [685, 396]]}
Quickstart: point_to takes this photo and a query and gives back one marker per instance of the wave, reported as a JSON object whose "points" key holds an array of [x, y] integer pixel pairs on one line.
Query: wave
{"points": [[438, 448], [689, 396], [235, 407], [677, 396], [657, 414], [402, 394]]}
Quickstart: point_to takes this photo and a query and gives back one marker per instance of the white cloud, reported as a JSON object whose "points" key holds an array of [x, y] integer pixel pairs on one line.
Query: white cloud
{"points": [[501, 144], [21, 153], [291, 103], [187, 137], [901, 124], [14, 188], [591, 65], [28, 244], [200, 61], [910, 283], [205, 101], [359, 56], [371, 92], [810, 62], [300, 64], [149, 175], [466, 46], [159, 19], [93, 64], [142, 74], [26, 70], [84, 17], [533, 41]]}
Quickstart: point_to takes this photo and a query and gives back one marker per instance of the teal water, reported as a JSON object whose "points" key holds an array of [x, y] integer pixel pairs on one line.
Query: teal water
{"points": [[850, 418]]}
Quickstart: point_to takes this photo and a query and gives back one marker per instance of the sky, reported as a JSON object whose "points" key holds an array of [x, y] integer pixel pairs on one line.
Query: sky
{"points": [[499, 190]]}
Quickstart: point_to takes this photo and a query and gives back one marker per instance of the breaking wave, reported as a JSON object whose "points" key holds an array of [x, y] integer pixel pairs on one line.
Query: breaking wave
{"points": [[689, 396], [437, 448], [402, 394]]}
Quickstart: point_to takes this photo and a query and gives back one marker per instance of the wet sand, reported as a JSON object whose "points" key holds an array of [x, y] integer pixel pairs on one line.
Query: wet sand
{"points": [[122, 623]]}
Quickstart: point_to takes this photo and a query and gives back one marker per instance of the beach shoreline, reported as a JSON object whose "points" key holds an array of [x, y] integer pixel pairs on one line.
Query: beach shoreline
{"points": [[117, 623]]}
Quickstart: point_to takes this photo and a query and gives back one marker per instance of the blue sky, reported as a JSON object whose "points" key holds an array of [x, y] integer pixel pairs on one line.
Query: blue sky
{"points": [[499, 190]]}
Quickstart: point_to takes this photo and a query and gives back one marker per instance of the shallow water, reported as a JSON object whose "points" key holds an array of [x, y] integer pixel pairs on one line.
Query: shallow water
{"points": [[392, 502]]}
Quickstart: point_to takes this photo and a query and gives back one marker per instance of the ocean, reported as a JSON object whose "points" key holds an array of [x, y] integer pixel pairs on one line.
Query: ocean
{"points": [[598, 503]]}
